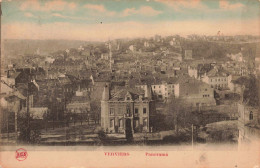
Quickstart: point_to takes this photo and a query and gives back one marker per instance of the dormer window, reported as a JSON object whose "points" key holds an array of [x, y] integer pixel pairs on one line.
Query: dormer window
{"points": [[128, 96]]}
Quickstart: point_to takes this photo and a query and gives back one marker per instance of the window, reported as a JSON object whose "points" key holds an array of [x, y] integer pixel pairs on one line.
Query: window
{"points": [[136, 110], [144, 110], [145, 122], [206, 89], [111, 123], [112, 111], [211, 80], [159, 86], [154, 87], [136, 123], [251, 116], [128, 110], [218, 79], [120, 123]]}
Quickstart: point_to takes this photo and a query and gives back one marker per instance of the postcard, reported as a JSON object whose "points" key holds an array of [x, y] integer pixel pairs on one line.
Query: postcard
{"points": [[130, 83]]}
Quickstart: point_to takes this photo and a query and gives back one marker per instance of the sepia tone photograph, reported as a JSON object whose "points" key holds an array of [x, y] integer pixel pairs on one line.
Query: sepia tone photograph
{"points": [[130, 83]]}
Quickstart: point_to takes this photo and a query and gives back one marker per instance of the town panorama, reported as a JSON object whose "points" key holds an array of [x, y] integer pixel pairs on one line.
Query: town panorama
{"points": [[146, 89]]}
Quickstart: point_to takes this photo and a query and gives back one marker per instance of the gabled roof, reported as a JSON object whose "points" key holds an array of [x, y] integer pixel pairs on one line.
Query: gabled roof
{"points": [[15, 74], [13, 94], [121, 94], [215, 72]]}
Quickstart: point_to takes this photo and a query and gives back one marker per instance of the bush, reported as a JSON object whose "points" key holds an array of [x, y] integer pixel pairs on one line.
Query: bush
{"points": [[29, 134], [102, 135]]}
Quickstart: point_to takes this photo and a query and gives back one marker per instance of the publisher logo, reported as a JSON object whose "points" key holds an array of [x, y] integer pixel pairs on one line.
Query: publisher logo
{"points": [[21, 154]]}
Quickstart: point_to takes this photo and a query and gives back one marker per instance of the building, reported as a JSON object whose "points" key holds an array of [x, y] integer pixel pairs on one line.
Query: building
{"points": [[198, 71], [11, 103], [188, 54], [162, 89], [236, 57], [157, 38], [127, 109], [105, 56], [236, 85], [195, 93], [217, 78], [79, 104], [193, 72], [248, 125], [132, 48], [146, 44]]}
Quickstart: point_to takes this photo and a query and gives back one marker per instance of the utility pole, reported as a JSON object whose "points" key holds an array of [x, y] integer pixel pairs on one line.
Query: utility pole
{"points": [[8, 121], [192, 136], [28, 112], [110, 55]]}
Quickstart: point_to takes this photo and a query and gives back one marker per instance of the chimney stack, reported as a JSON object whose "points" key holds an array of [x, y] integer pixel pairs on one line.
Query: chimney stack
{"points": [[106, 93], [147, 92]]}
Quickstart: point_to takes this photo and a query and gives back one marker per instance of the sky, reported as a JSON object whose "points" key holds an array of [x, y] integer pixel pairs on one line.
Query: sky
{"points": [[101, 20]]}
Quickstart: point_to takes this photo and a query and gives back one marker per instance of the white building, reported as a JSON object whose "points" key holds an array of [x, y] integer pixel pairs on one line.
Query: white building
{"points": [[146, 44], [161, 90], [132, 48], [217, 79], [193, 72]]}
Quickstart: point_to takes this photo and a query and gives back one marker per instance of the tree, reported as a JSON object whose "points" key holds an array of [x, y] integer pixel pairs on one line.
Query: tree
{"points": [[173, 111], [180, 114], [25, 136], [95, 110], [251, 91]]}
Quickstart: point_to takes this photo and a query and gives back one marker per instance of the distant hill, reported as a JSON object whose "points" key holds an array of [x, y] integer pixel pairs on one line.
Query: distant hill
{"points": [[13, 47]]}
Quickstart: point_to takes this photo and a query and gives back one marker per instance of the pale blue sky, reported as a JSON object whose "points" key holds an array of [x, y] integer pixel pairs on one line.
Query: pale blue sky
{"points": [[126, 18]]}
